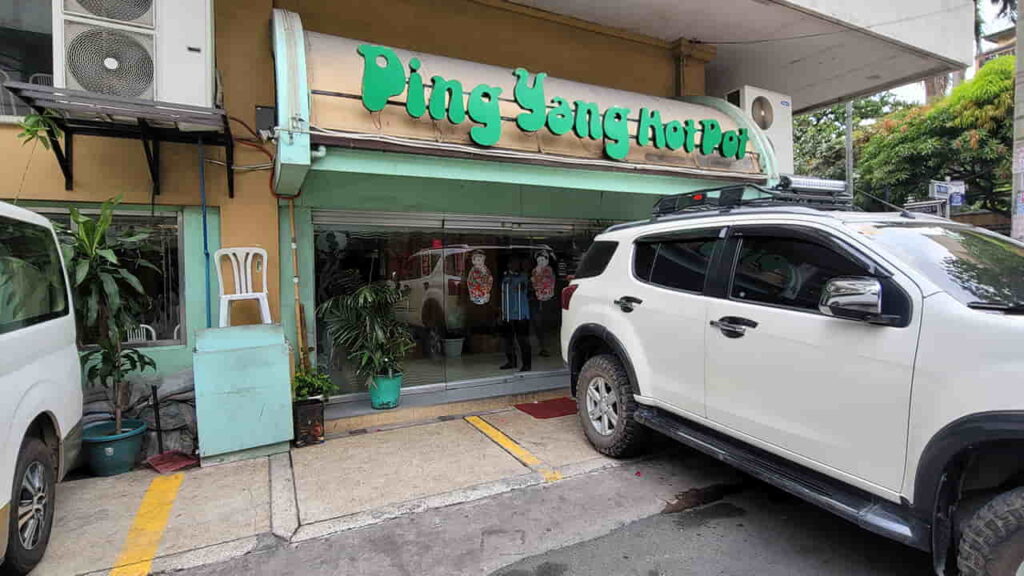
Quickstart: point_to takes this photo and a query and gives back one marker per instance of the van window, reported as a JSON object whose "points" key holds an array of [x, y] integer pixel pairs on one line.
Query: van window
{"points": [[32, 288]]}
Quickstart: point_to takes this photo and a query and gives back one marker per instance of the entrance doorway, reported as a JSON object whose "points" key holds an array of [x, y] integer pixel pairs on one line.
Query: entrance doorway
{"points": [[481, 294]]}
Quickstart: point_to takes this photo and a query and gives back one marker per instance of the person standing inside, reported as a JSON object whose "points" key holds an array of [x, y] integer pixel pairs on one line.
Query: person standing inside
{"points": [[515, 312]]}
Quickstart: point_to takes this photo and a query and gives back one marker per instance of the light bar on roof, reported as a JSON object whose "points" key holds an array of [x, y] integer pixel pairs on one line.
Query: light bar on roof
{"points": [[811, 184]]}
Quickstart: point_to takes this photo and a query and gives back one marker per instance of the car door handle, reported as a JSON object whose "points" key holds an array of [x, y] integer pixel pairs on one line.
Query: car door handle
{"points": [[733, 326], [626, 303]]}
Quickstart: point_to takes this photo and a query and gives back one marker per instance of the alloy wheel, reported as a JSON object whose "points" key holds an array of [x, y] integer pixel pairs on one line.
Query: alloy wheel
{"points": [[602, 406], [32, 503]]}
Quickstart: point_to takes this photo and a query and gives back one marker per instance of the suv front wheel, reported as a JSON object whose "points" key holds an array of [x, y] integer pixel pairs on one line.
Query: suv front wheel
{"points": [[604, 396]]}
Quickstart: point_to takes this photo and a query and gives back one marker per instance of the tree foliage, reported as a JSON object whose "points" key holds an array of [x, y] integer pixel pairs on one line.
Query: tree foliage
{"points": [[967, 136], [819, 137]]}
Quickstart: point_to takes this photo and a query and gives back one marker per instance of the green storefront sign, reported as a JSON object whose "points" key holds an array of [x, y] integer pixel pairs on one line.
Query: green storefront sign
{"points": [[385, 77]]}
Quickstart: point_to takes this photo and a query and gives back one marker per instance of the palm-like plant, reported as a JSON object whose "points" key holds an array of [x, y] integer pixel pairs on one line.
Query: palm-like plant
{"points": [[108, 298], [363, 324]]}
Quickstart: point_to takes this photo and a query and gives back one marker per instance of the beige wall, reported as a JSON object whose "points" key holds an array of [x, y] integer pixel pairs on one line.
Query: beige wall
{"points": [[477, 30], [106, 167]]}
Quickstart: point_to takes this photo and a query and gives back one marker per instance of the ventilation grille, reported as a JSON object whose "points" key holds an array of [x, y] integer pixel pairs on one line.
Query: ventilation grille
{"points": [[108, 61], [136, 12]]}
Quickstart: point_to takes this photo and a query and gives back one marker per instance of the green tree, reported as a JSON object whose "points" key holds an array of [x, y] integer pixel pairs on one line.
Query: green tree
{"points": [[819, 137], [965, 136]]}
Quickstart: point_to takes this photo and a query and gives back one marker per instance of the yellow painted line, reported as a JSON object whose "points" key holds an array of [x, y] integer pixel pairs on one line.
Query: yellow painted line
{"points": [[513, 448], [143, 540]]}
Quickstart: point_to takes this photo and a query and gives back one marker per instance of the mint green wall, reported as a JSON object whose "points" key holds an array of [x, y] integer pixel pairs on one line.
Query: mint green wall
{"points": [[170, 359]]}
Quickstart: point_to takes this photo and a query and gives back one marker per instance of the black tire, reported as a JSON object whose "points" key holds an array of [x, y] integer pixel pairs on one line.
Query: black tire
{"points": [[628, 437], [20, 559], [992, 541]]}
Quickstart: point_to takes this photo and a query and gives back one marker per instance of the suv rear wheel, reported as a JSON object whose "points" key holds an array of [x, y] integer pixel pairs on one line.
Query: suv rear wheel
{"points": [[31, 508], [992, 541], [604, 395]]}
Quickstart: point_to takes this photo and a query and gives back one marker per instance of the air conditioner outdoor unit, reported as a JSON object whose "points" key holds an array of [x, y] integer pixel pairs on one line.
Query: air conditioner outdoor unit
{"points": [[150, 49], [773, 113]]}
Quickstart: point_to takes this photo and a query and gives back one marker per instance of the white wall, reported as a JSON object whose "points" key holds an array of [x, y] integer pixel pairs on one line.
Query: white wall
{"points": [[942, 27]]}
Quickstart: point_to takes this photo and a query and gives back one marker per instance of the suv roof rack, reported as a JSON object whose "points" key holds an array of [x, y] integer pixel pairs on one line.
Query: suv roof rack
{"points": [[791, 190]]}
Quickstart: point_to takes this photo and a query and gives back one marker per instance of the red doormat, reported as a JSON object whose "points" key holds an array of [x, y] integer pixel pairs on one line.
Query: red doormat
{"points": [[553, 408]]}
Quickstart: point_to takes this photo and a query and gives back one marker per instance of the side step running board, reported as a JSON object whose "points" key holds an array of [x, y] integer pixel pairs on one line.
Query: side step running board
{"points": [[866, 510]]}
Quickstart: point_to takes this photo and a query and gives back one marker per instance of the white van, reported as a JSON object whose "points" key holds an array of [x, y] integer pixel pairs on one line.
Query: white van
{"points": [[40, 385]]}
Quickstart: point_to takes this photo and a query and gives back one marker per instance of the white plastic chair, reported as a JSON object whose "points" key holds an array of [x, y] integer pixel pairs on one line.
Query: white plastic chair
{"points": [[141, 333], [243, 262]]}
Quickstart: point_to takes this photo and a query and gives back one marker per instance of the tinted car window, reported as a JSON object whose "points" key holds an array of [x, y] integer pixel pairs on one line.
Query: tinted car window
{"points": [[683, 264], [643, 259], [32, 288], [596, 259], [787, 271]]}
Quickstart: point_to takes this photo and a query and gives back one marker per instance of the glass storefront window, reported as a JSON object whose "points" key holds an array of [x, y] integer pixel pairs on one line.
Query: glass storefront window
{"points": [[480, 304]]}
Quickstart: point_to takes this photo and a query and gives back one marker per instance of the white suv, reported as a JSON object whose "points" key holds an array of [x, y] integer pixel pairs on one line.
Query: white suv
{"points": [[40, 385], [870, 363]]}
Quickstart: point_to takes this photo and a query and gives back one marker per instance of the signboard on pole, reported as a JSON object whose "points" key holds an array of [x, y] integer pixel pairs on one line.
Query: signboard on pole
{"points": [[933, 207]]}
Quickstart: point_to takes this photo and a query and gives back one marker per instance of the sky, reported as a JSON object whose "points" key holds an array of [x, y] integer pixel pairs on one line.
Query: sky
{"points": [[915, 92]]}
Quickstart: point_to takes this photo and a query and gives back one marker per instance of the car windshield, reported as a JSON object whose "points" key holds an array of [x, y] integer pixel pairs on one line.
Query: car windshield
{"points": [[972, 265]]}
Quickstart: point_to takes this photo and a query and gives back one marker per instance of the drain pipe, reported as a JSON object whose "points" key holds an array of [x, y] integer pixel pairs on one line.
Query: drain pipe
{"points": [[206, 234], [300, 316]]}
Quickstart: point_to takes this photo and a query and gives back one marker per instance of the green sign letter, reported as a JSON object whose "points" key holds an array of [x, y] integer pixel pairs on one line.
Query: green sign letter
{"points": [[710, 136], [531, 99], [484, 109], [446, 96], [383, 76], [674, 135], [560, 117], [415, 101], [741, 148], [588, 120], [616, 132], [650, 120]]}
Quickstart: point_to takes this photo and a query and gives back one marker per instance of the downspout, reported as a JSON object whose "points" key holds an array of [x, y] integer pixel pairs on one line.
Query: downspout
{"points": [[206, 233]]}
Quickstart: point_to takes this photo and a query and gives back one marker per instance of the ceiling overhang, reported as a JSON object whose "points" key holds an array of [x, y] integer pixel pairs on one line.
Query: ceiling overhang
{"points": [[816, 51]]}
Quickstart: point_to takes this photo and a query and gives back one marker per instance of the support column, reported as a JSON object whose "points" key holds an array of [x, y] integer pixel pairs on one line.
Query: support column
{"points": [[691, 58]]}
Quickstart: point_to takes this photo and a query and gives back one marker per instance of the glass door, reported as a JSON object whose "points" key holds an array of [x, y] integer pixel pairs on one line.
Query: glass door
{"points": [[481, 298]]}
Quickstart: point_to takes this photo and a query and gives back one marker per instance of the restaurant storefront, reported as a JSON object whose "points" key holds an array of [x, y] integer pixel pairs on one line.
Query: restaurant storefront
{"points": [[475, 188]]}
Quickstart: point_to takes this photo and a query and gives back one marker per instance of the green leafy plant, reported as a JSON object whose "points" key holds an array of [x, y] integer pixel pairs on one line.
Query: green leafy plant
{"points": [[40, 128], [107, 298], [37, 129], [363, 324], [312, 384]]}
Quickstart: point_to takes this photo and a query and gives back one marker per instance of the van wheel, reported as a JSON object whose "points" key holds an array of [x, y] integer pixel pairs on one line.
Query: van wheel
{"points": [[992, 541], [604, 398], [31, 508]]}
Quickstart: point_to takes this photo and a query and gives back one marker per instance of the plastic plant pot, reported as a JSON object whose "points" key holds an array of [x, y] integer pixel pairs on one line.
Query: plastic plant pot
{"points": [[110, 454], [453, 347], [385, 391]]}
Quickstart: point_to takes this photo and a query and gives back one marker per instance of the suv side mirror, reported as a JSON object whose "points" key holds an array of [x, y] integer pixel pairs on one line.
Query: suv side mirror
{"points": [[853, 298]]}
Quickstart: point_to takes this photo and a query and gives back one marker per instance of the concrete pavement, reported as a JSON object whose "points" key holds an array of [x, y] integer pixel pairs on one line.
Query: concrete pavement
{"points": [[211, 514], [484, 535]]}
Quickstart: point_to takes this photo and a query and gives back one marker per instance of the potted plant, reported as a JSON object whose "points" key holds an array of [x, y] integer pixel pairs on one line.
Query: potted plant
{"points": [[310, 391], [363, 324], [107, 299], [453, 342]]}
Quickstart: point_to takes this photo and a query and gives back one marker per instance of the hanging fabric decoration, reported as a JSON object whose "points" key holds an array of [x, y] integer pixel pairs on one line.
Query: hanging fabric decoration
{"points": [[543, 279], [480, 281]]}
